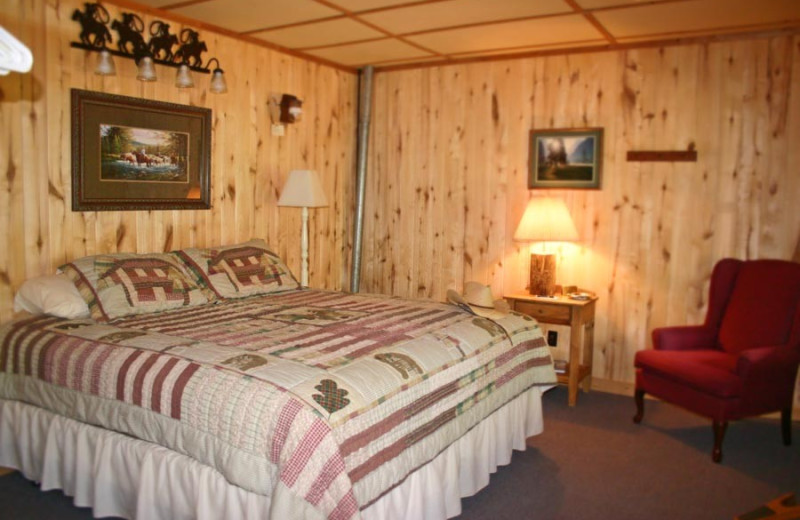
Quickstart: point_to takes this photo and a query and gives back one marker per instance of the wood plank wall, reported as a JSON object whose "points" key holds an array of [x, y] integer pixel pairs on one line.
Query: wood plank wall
{"points": [[38, 229], [448, 169]]}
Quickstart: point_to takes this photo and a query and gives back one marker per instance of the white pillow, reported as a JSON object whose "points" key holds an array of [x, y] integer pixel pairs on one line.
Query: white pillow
{"points": [[55, 295]]}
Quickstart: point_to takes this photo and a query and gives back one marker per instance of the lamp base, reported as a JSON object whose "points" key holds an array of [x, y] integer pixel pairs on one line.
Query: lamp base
{"points": [[543, 275]]}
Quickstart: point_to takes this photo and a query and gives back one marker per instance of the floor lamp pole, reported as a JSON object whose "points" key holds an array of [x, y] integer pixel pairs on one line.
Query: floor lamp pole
{"points": [[304, 250]]}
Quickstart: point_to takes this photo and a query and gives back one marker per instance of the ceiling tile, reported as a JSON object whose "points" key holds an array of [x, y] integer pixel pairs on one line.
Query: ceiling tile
{"points": [[246, 15], [697, 16], [155, 3], [369, 52], [363, 5], [322, 33], [593, 4], [460, 12], [554, 30]]}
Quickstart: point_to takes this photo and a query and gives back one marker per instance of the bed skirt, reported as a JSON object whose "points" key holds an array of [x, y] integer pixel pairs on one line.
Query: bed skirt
{"points": [[117, 475]]}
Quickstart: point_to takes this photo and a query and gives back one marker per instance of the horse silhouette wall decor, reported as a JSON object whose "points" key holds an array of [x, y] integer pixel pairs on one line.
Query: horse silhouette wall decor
{"points": [[135, 40]]}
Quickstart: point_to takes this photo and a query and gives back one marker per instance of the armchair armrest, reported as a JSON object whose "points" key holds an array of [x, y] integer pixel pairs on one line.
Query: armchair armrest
{"points": [[684, 338], [768, 374], [768, 363]]}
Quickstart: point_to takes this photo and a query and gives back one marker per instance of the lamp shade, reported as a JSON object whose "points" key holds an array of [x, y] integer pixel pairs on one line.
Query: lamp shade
{"points": [[183, 78], [218, 84], [146, 69], [303, 189], [546, 219], [105, 64]]}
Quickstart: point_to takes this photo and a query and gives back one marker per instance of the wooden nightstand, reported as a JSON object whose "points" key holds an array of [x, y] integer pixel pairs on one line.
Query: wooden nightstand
{"points": [[579, 316]]}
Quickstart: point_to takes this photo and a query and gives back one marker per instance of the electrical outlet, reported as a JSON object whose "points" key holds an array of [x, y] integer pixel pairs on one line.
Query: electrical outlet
{"points": [[552, 338]]}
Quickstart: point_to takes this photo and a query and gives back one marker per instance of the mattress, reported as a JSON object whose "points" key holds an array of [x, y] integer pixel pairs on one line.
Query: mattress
{"points": [[322, 401]]}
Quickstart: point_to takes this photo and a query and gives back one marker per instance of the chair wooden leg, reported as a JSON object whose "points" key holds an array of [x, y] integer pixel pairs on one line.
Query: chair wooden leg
{"points": [[639, 398], [719, 434], [786, 425]]}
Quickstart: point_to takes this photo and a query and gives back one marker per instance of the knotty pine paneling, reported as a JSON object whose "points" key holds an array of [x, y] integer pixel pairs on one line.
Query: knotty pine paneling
{"points": [[38, 229], [448, 169]]}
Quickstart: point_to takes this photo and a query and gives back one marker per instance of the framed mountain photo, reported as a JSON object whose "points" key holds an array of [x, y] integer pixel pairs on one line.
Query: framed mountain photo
{"points": [[565, 158]]}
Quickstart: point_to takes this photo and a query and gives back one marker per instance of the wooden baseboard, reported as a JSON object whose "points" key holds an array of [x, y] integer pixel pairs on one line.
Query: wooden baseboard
{"points": [[612, 387], [621, 388], [6, 471]]}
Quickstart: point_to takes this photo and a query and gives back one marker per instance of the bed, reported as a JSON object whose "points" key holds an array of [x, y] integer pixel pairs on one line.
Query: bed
{"points": [[208, 384]]}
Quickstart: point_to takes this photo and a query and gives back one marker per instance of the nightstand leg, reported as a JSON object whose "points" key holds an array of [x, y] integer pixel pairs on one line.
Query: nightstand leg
{"points": [[573, 385], [588, 352], [574, 356]]}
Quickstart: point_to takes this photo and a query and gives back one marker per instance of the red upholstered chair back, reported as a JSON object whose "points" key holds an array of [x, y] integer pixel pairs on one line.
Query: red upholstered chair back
{"points": [[763, 300]]}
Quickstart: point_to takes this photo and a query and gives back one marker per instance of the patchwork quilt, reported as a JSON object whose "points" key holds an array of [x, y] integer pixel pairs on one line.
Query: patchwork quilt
{"points": [[323, 398]]}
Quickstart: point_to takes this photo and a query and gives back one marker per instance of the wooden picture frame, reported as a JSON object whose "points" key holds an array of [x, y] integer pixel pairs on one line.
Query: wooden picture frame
{"points": [[136, 154], [570, 158]]}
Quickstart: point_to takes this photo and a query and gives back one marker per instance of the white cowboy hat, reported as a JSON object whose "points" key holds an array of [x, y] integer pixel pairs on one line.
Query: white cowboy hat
{"points": [[478, 300]]}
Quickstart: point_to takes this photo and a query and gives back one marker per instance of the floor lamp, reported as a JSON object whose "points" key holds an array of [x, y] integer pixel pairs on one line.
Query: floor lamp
{"points": [[303, 190], [546, 219]]}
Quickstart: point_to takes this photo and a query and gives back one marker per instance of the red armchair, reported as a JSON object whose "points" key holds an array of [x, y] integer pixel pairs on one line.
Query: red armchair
{"points": [[742, 361]]}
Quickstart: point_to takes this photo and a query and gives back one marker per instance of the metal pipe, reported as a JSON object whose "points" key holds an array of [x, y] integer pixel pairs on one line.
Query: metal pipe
{"points": [[364, 106]]}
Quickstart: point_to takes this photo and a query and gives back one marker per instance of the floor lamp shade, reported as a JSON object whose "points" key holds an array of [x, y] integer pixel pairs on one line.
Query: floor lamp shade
{"points": [[303, 189], [546, 219]]}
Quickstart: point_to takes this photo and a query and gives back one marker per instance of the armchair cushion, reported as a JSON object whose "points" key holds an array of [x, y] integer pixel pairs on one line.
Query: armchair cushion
{"points": [[761, 307], [708, 371]]}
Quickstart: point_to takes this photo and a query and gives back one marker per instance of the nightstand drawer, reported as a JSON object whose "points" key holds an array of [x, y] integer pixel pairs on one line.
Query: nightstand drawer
{"points": [[544, 311]]}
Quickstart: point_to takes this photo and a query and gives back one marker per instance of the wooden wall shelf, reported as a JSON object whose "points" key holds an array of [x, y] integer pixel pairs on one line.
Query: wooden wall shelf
{"points": [[662, 156]]}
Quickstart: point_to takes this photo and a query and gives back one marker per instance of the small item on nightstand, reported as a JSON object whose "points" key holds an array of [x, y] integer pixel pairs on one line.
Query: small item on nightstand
{"points": [[560, 366], [579, 296]]}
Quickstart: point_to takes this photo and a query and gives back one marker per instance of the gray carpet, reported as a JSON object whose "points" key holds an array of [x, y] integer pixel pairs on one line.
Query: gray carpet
{"points": [[591, 462]]}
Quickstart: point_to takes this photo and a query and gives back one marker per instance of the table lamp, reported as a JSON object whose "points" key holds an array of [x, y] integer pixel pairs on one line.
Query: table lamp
{"points": [[546, 220], [303, 190]]}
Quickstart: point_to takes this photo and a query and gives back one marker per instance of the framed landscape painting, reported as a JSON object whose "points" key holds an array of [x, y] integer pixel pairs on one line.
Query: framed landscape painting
{"points": [[565, 158], [136, 154]]}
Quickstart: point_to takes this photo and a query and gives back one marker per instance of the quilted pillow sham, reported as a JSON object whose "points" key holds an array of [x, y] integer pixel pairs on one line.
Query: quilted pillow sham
{"points": [[123, 284], [240, 270]]}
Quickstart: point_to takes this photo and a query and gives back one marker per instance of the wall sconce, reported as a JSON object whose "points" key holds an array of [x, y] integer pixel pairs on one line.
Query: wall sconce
{"points": [[218, 84], [95, 36], [105, 64], [291, 109], [287, 110], [183, 78], [146, 69]]}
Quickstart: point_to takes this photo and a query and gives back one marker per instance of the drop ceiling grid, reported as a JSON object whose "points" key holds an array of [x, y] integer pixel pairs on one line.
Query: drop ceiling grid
{"points": [[358, 54], [526, 33], [385, 31]]}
